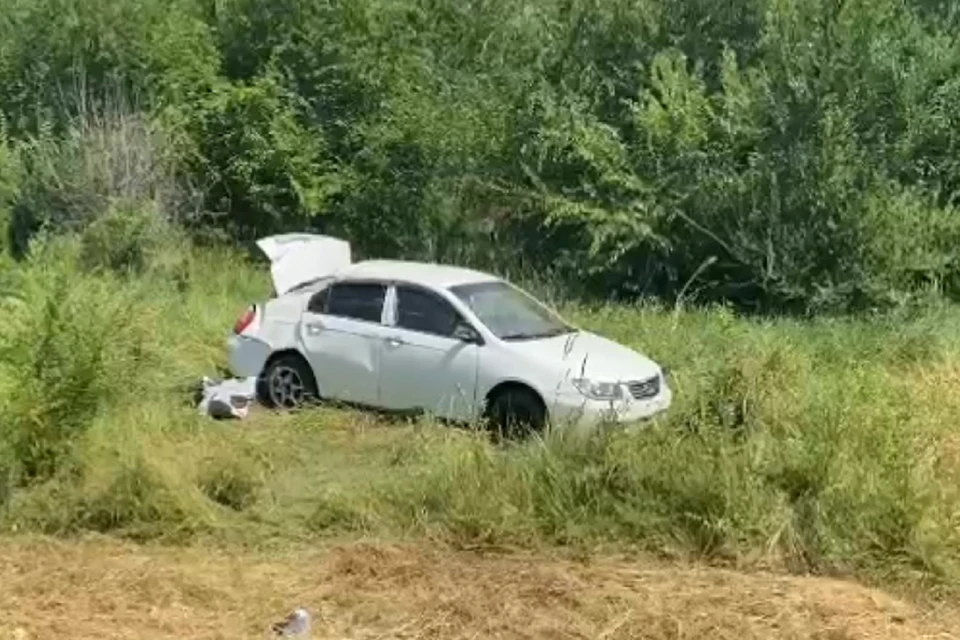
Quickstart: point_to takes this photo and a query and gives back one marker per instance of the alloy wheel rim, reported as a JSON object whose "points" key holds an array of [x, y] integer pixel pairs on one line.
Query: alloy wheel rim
{"points": [[286, 387]]}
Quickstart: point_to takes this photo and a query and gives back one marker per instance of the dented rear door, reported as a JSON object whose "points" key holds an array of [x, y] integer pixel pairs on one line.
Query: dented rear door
{"points": [[341, 332]]}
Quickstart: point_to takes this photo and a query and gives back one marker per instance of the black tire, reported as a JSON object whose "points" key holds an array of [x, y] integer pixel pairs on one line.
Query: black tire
{"points": [[287, 382], [516, 412]]}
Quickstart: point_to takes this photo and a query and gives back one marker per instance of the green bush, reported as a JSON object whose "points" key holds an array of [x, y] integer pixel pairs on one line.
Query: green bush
{"points": [[71, 344], [779, 158], [125, 239], [266, 171], [75, 341], [10, 177], [110, 176], [60, 59]]}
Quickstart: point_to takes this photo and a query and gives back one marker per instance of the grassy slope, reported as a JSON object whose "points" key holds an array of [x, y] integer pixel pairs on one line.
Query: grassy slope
{"points": [[824, 446]]}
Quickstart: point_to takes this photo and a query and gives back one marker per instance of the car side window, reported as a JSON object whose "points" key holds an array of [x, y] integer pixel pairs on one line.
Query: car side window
{"points": [[318, 302], [356, 300], [419, 310]]}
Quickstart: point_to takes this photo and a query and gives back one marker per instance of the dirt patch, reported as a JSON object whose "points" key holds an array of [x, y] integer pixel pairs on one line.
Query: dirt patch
{"points": [[106, 590]]}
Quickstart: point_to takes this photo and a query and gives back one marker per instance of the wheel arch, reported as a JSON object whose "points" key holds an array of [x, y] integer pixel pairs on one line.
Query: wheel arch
{"points": [[506, 385], [284, 353], [289, 353]]}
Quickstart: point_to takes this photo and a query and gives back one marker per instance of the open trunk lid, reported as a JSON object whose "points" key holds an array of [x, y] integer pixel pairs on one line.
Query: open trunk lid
{"points": [[298, 258]]}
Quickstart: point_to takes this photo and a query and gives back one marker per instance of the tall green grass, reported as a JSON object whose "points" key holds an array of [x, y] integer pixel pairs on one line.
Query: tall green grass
{"points": [[95, 367], [826, 446], [815, 447]]}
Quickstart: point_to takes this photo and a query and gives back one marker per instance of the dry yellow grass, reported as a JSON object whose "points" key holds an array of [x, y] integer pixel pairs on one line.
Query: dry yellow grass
{"points": [[104, 590]]}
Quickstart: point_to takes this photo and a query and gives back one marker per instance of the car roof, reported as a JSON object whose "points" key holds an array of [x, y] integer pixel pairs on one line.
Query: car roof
{"points": [[423, 273]]}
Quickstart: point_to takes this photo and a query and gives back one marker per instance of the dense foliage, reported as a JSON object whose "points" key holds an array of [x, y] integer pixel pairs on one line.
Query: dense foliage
{"points": [[795, 154]]}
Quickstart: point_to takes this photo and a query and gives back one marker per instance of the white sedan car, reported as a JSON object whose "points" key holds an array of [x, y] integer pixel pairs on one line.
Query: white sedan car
{"points": [[455, 343]]}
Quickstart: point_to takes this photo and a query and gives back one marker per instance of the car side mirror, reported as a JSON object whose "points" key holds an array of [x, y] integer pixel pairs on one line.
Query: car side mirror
{"points": [[466, 333]]}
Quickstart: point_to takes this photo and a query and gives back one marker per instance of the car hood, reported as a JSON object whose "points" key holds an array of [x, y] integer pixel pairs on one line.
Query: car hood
{"points": [[296, 258], [585, 354]]}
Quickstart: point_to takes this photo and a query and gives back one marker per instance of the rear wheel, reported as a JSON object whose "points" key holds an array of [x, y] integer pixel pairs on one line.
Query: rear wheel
{"points": [[516, 412], [287, 383]]}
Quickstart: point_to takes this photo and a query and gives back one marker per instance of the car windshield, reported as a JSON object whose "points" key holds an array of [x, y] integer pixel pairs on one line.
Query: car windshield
{"points": [[510, 313]]}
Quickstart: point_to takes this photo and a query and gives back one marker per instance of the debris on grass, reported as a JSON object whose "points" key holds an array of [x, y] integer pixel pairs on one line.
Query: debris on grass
{"points": [[226, 399]]}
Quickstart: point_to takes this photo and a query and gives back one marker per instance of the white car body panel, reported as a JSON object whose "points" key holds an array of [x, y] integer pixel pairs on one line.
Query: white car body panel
{"points": [[426, 372], [390, 367], [247, 355], [542, 365], [275, 328], [344, 355]]}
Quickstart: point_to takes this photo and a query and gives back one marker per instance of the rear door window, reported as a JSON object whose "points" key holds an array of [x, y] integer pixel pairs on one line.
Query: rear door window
{"points": [[356, 300]]}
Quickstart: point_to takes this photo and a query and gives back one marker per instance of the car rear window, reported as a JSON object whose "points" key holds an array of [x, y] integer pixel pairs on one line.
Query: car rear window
{"points": [[357, 300]]}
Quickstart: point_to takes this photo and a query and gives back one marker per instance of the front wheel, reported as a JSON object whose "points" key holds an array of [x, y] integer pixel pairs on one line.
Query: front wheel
{"points": [[287, 383], [516, 412]]}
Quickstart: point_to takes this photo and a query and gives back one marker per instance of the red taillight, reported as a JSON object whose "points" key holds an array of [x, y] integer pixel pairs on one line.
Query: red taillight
{"points": [[244, 320]]}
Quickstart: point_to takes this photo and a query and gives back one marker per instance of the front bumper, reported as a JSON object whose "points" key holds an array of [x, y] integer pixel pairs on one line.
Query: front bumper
{"points": [[573, 411]]}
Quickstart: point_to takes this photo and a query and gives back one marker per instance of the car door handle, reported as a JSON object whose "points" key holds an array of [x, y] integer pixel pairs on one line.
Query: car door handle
{"points": [[394, 341], [314, 329]]}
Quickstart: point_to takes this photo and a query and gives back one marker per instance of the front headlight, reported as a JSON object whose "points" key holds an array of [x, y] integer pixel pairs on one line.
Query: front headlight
{"points": [[598, 390]]}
